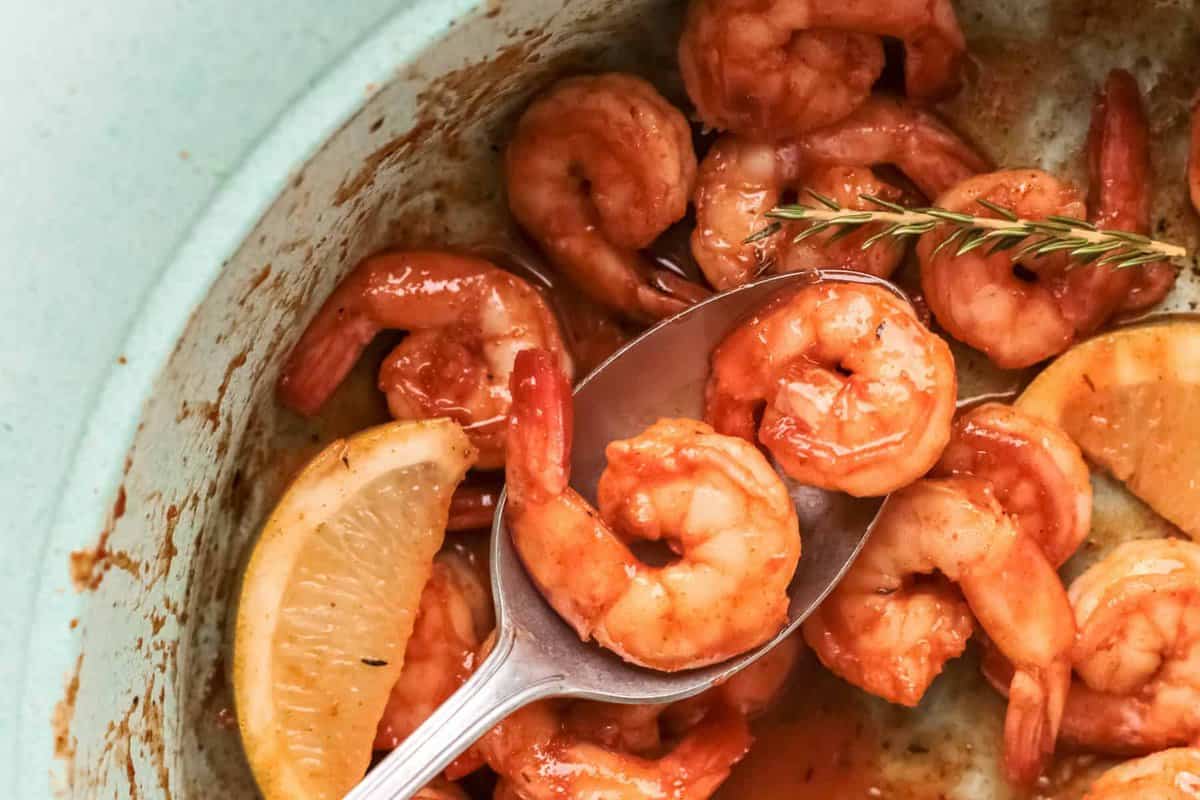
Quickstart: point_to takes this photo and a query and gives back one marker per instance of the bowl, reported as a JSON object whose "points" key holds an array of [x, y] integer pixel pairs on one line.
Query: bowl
{"points": [[397, 145]]}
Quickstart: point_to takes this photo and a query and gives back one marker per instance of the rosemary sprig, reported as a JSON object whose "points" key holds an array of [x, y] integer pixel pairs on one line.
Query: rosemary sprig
{"points": [[1079, 239]]}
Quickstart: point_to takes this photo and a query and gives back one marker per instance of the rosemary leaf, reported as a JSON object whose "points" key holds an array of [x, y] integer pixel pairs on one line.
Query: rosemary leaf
{"points": [[765, 233], [1126, 236], [789, 212], [1001, 210], [1096, 249], [887, 232], [948, 216], [1144, 258], [825, 200], [887, 204], [1073, 222], [811, 230], [954, 236], [972, 242], [1055, 245]]}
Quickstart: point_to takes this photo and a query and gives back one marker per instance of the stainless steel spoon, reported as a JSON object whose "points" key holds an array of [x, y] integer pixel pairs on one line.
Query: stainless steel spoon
{"points": [[536, 655]]}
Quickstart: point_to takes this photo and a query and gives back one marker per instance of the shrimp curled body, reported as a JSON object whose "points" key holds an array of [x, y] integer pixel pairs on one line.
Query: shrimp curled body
{"points": [[855, 394], [599, 166], [884, 631], [1138, 653], [1037, 473], [1020, 313], [772, 69], [712, 499], [466, 319]]}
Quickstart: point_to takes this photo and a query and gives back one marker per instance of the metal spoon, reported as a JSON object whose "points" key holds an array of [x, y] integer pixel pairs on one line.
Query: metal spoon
{"points": [[536, 655]]}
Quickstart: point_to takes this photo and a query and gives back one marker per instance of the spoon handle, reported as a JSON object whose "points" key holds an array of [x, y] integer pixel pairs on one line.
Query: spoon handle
{"points": [[513, 675]]}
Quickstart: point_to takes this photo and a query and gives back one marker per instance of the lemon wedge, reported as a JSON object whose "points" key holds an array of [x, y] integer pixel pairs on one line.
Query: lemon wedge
{"points": [[1131, 400], [328, 599]]}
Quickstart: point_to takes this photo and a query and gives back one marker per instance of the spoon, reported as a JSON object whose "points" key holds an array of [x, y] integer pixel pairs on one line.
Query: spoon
{"points": [[536, 654]]}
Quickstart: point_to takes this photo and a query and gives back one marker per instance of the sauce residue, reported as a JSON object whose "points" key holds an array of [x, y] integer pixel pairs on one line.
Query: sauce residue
{"points": [[817, 742]]}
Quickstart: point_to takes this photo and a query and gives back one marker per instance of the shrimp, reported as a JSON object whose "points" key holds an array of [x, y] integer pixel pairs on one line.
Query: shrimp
{"points": [[1169, 775], [466, 321], [1138, 654], [741, 180], [772, 69], [453, 619], [598, 168], [712, 499], [539, 759], [1037, 473], [889, 633], [1022, 313], [854, 393]]}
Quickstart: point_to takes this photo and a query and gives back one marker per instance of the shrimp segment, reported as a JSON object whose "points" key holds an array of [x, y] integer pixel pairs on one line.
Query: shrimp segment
{"points": [[1169, 775], [855, 394], [466, 320], [890, 634], [740, 180], [1138, 654], [598, 168], [714, 500], [539, 759], [772, 69], [1037, 473]]}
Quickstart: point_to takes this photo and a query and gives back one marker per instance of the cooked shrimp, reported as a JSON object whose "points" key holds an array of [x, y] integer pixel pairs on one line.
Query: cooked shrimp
{"points": [[541, 760], [466, 321], [1138, 654], [1020, 314], [452, 621], [713, 499], [889, 633], [598, 168], [772, 69], [854, 393], [740, 180], [1120, 186], [1037, 473], [1169, 775]]}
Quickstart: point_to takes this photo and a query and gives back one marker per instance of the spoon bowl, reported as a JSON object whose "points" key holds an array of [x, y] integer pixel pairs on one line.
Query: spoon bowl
{"points": [[536, 654]]}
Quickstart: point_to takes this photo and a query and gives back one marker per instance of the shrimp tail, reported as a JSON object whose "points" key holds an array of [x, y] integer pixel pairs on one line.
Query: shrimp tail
{"points": [[705, 757], [539, 426], [323, 356], [1035, 706]]}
